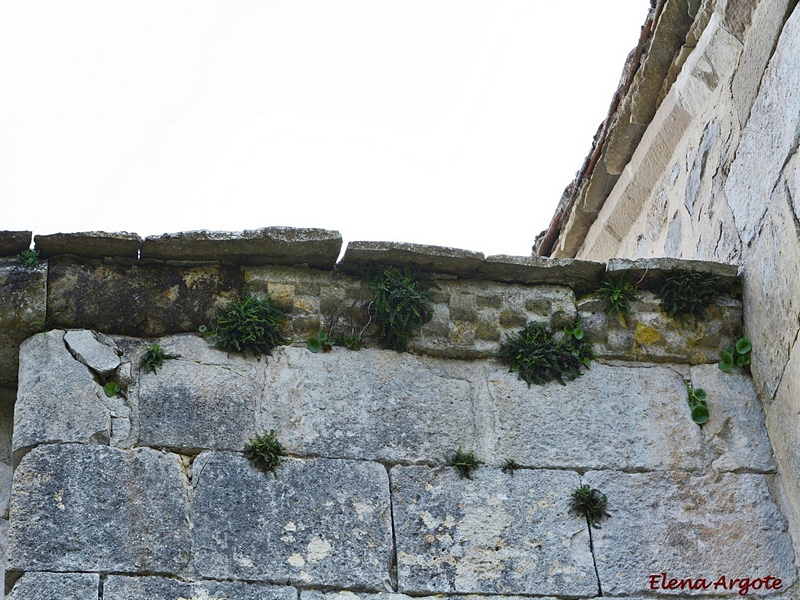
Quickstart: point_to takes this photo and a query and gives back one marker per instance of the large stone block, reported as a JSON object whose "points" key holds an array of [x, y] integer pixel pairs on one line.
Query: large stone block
{"points": [[61, 586], [101, 357], [23, 301], [14, 242], [698, 526], [121, 587], [57, 399], [137, 299], [609, 418], [204, 399], [438, 259], [577, 274], [317, 522], [735, 431], [349, 595], [95, 244], [372, 404], [496, 534], [96, 508]]}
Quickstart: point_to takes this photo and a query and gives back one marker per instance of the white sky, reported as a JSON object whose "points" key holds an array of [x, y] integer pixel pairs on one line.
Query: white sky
{"points": [[448, 122]]}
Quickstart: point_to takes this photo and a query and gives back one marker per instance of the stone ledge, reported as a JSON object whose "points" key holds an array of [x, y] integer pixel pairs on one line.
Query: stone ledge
{"points": [[438, 259], [317, 248], [14, 242], [653, 271], [577, 274], [91, 244]]}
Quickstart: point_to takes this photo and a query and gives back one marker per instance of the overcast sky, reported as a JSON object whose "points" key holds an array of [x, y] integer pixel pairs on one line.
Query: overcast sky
{"points": [[448, 122]]}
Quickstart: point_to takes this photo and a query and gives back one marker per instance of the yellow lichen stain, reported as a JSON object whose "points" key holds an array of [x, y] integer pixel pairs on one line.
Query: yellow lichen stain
{"points": [[59, 498], [646, 335], [430, 538], [296, 560], [318, 549]]}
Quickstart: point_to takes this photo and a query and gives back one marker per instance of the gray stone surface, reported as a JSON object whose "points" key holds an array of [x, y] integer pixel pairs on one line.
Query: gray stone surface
{"points": [[438, 259], [349, 595], [652, 271], [138, 299], [577, 274], [57, 398], [735, 430], [56, 586], [495, 534], [371, 404], [8, 397], [96, 508], [769, 137], [318, 522], [23, 298], [609, 418], [14, 242], [87, 349], [94, 244], [688, 526], [121, 587], [205, 399], [317, 248]]}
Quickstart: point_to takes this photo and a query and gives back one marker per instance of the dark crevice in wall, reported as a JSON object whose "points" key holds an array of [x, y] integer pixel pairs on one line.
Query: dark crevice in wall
{"points": [[393, 557]]}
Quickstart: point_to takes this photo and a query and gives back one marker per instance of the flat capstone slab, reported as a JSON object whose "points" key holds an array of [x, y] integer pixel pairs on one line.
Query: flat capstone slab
{"points": [[93, 244], [608, 418], [14, 242], [540, 270], [372, 404], [652, 271], [318, 248], [316, 522], [49, 586], [496, 534], [688, 526], [437, 259], [122, 587], [96, 508]]}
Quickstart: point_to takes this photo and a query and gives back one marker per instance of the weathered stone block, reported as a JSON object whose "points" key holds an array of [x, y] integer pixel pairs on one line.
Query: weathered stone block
{"points": [[103, 358], [14, 242], [121, 587], [348, 595], [609, 418], [735, 430], [438, 259], [23, 298], [96, 508], [57, 399], [371, 404], [63, 586], [94, 244], [577, 274], [318, 522], [147, 300], [494, 534], [317, 248], [688, 526], [205, 399], [651, 272]]}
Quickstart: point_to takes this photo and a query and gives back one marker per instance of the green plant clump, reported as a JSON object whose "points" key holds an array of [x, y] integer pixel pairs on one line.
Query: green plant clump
{"points": [[697, 402], [401, 305], [537, 357], [739, 355], [29, 258], [617, 294], [325, 343], [464, 462], [510, 466], [688, 293], [154, 357], [251, 324], [111, 389], [265, 452], [590, 503]]}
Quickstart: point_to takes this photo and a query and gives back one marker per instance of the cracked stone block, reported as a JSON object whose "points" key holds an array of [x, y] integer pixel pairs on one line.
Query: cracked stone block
{"points": [[371, 404], [121, 587], [316, 522], [49, 586], [57, 398], [96, 508], [496, 534], [688, 526], [87, 349], [23, 298], [611, 417], [735, 431], [205, 399]]}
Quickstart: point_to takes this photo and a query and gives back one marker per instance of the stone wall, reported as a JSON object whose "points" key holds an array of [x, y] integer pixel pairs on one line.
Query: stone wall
{"points": [[148, 494], [716, 178]]}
